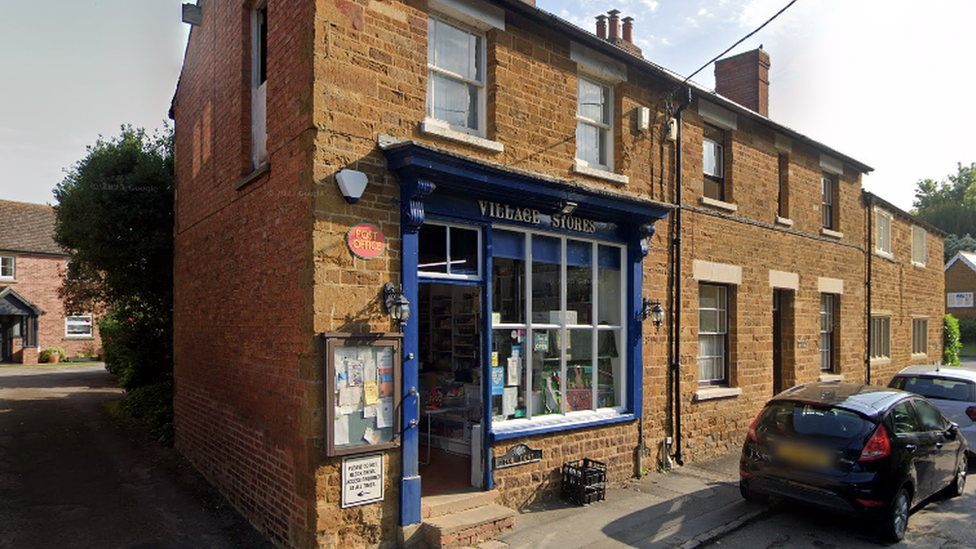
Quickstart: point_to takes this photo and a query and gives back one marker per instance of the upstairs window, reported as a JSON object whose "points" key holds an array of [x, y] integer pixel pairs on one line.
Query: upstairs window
{"points": [[784, 186], [7, 264], [259, 86], [920, 250], [713, 162], [456, 76], [594, 124], [828, 193], [882, 233]]}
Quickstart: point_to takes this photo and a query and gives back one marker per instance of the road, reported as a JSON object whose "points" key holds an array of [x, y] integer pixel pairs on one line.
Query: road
{"points": [[73, 474]]}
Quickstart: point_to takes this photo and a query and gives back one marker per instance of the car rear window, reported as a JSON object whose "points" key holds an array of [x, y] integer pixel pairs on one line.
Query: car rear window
{"points": [[811, 420], [937, 387]]}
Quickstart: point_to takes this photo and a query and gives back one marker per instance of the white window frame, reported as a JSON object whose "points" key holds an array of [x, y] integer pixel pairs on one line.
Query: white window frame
{"points": [[920, 248], [880, 337], [920, 336], [448, 275], [723, 311], [89, 322], [259, 86], [882, 233], [479, 62], [8, 267], [604, 127]]}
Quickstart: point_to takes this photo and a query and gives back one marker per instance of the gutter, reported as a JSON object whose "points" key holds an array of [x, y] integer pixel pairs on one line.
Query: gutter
{"points": [[676, 306]]}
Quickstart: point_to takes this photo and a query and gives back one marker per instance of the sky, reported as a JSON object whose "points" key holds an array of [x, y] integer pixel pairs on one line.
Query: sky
{"points": [[887, 83]]}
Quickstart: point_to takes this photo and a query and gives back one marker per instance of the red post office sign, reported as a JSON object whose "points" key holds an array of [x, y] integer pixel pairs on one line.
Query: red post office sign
{"points": [[366, 241]]}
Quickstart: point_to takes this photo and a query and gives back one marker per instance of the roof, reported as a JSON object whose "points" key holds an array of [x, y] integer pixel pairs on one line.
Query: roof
{"points": [[27, 228], [967, 258], [871, 198], [12, 303], [865, 399]]}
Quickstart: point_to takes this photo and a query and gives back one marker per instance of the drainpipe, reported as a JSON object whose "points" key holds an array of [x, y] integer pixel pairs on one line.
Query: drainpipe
{"points": [[676, 308], [867, 307]]}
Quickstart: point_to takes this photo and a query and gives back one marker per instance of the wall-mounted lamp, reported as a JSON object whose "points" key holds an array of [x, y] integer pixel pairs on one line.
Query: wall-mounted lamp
{"points": [[654, 311], [567, 207], [396, 304], [352, 184]]}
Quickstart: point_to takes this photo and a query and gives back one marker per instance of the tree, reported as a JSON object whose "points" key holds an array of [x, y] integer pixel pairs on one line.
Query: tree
{"points": [[115, 216], [955, 244], [950, 205]]}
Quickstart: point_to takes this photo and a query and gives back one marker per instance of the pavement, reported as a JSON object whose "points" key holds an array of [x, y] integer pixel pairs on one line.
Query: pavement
{"points": [[75, 472], [685, 508]]}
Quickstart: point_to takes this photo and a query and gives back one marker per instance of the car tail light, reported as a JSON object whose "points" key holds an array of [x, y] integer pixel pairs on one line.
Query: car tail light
{"points": [[878, 445], [870, 502], [971, 412], [752, 428]]}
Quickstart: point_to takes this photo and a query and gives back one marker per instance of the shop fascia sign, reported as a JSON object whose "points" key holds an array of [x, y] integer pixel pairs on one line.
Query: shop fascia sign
{"points": [[532, 216]]}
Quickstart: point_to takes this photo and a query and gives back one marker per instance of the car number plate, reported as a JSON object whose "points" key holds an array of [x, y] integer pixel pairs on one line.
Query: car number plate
{"points": [[803, 456]]}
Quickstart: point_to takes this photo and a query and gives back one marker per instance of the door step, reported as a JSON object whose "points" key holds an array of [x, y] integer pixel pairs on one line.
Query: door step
{"points": [[464, 519]]}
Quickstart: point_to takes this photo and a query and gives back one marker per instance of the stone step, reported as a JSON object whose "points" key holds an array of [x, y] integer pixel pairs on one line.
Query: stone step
{"points": [[445, 504], [468, 528]]}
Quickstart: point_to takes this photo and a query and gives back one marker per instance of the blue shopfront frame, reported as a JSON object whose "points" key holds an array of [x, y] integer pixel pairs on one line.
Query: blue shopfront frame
{"points": [[447, 187]]}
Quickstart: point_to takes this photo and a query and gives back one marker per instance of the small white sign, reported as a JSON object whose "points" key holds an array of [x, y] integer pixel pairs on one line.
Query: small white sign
{"points": [[362, 480]]}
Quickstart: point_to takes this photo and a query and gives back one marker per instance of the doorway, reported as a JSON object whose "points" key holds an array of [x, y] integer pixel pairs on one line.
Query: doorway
{"points": [[783, 377], [450, 377]]}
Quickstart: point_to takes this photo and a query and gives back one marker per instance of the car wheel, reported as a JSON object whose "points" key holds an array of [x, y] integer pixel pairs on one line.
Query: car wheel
{"points": [[751, 496], [958, 484], [895, 522]]}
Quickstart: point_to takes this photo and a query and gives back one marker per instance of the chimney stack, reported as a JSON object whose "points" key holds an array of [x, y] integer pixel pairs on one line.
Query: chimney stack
{"points": [[614, 24], [744, 79], [625, 42]]}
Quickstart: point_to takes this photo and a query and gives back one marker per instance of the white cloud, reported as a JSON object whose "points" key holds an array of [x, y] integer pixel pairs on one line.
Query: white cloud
{"points": [[650, 4]]}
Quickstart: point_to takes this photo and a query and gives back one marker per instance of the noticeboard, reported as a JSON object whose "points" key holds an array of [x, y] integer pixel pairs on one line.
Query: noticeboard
{"points": [[362, 398]]}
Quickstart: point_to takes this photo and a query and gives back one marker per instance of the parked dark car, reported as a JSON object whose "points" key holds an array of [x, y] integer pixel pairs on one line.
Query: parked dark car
{"points": [[855, 449]]}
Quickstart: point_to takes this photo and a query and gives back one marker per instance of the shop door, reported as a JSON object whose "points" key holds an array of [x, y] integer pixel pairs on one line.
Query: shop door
{"points": [[450, 377]]}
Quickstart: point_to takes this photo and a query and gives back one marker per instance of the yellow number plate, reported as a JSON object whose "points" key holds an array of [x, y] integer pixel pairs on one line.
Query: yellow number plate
{"points": [[804, 456]]}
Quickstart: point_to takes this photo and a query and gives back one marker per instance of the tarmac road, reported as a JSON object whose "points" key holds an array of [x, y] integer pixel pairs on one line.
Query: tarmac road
{"points": [[72, 474]]}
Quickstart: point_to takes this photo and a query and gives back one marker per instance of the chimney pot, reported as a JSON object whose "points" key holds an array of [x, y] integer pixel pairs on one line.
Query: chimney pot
{"points": [[614, 24], [629, 29], [601, 26]]}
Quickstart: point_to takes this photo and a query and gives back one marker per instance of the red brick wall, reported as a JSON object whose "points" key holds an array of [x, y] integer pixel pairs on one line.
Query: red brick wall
{"points": [[960, 278], [38, 279], [245, 364]]}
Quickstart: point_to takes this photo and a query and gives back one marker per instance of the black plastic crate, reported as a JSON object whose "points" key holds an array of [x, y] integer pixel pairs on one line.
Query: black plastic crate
{"points": [[584, 481]]}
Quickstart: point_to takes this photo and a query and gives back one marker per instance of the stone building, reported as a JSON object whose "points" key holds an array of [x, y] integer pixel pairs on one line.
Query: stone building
{"points": [[549, 248], [32, 265], [960, 285]]}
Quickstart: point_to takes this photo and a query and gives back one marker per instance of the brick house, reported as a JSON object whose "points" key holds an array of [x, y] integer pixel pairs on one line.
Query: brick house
{"points": [[600, 261], [960, 285], [32, 317]]}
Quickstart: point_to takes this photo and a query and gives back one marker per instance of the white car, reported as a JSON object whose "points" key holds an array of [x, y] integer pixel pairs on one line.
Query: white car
{"points": [[951, 388]]}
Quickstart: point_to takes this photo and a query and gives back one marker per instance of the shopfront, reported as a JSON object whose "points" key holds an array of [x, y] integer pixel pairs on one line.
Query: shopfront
{"points": [[527, 292]]}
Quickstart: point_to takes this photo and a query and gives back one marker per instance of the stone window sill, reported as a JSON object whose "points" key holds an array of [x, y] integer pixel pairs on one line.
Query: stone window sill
{"points": [[714, 393], [917, 264], [718, 204], [784, 221], [582, 169], [435, 127], [831, 377], [831, 234]]}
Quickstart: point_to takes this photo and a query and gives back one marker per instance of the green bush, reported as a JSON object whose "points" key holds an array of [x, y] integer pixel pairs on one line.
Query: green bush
{"points": [[967, 330], [137, 347], [153, 405], [45, 355], [950, 352]]}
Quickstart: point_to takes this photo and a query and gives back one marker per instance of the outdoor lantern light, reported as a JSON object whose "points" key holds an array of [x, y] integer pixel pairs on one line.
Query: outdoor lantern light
{"points": [[396, 304], [567, 207], [654, 311], [352, 184]]}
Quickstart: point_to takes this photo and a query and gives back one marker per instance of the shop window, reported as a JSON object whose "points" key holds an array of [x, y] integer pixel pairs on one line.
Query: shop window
{"points": [[828, 341], [880, 336], [882, 233], [259, 86], [7, 264], [78, 326], [594, 124], [456, 76], [556, 326], [919, 246], [713, 335], [713, 162], [449, 251], [920, 336]]}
